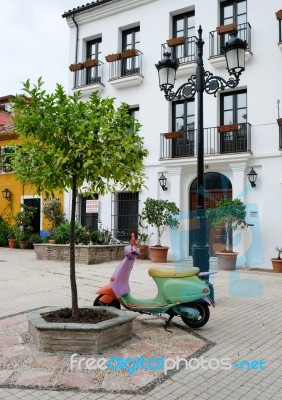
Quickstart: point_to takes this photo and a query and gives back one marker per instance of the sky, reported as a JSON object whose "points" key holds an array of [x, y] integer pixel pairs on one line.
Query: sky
{"points": [[34, 42]]}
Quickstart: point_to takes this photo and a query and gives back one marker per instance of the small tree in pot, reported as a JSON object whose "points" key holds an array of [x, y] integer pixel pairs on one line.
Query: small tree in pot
{"points": [[231, 215], [161, 214], [277, 262]]}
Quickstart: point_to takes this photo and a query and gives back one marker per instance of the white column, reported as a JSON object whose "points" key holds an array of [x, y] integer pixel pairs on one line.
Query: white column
{"points": [[239, 192], [174, 195]]}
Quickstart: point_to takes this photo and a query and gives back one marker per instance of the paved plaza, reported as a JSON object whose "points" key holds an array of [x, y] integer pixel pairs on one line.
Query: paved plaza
{"points": [[245, 325]]}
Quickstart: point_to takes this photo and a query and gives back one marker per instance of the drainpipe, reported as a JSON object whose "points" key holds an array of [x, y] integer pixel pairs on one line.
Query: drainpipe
{"points": [[76, 47]]}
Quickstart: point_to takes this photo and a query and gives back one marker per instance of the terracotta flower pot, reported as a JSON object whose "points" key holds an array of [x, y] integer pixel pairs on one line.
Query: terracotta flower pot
{"points": [[23, 244], [276, 265], [90, 63], [129, 53], [76, 67], [143, 252], [227, 128], [172, 135], [226, 261], [112, 57], [175, 41], [226, 28], [12, 243], [159, 254]]}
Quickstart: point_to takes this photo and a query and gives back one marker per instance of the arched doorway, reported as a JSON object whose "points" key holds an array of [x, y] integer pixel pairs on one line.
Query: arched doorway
{"points": [[217, 187]]}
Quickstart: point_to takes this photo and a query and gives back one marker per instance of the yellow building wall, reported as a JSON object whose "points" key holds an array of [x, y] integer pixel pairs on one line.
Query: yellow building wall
{"points": [[9, 208]]}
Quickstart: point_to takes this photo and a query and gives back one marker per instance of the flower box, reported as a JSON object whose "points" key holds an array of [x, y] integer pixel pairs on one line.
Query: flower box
{"points": [[90, 63], [112, 57], [227, 128], [173, 135], [226, 28], [279, 15], [129, 53], [279, 121], [76, 67], [175, 41]]}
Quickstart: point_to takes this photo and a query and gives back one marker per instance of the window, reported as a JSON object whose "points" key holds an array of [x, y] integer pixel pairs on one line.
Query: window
{"points": [[184, 26], [183, 114], [92, 53], [131, 40], [233, 110], [234, 12], [5, 162], [125, 215], [88, 219]]}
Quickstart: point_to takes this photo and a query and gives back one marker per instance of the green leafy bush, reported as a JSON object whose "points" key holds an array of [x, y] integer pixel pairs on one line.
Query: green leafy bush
{"points": [[4, 231], [62, 233]]}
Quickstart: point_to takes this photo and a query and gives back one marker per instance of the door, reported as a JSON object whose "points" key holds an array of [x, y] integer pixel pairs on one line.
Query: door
{"points": [[217, 187], [35, 202], [131, 40], [183, 120], [93, 53], [184, 26], [233, 11]]}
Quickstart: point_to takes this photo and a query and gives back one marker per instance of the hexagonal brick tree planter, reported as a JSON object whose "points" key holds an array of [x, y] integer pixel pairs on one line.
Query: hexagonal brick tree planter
{"points": [[78, 337]]}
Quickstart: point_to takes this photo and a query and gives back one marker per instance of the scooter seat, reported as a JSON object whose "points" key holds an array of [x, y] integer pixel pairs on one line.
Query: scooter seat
{"points": [[173, 272]]}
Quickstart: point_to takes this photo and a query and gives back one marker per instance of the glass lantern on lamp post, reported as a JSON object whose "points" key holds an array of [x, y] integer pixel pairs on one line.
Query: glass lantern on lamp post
{"points": [[234, 52]]}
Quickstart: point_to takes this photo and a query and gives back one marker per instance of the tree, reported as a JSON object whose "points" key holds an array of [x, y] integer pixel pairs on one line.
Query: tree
{"points": [[228, 213], [72, 144], [161, 214]]}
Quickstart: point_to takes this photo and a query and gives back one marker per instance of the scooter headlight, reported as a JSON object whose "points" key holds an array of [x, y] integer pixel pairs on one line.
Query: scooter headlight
{"points": [[205, 291]]}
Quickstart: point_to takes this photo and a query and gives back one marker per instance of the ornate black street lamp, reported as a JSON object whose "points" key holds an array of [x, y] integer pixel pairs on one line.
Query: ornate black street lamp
{"points": [[234, 52]]}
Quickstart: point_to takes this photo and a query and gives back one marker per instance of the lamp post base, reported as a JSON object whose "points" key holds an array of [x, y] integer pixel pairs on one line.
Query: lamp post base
{"points": [[201, 256]]}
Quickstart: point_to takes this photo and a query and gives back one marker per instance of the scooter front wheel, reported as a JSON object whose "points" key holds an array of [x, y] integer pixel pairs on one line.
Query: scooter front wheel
{"points": [[203, 317], [97, 302]]}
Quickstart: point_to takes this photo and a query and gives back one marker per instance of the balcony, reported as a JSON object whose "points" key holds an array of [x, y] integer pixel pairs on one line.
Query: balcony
{"points": [[184, 50], [125, 69], [218, 38], [88, 79], [217, 141]]}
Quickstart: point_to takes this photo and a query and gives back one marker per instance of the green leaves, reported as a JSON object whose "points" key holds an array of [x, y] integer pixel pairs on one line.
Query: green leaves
{"points": [[229, 213], [66, 137], [161, 213]]}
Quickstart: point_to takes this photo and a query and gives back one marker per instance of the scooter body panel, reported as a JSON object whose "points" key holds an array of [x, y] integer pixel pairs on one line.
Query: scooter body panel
{"points": [[181, 290]]}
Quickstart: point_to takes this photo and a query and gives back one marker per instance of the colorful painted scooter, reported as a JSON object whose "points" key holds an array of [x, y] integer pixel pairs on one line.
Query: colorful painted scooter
{"points": [[182, 291]]}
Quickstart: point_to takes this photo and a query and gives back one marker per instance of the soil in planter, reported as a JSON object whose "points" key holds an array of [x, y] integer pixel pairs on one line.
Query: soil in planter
{"points": [[86, 316]]}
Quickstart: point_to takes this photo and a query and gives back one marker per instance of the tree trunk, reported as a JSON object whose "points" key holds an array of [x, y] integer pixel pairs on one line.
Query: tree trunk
{"points": [[74, 299]]}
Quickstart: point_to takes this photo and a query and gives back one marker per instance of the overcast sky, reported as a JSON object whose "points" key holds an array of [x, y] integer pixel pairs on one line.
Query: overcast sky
{"points": [[34, 42]]}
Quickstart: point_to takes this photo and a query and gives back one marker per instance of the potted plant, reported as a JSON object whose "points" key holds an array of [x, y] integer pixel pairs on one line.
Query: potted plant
{"points": [[112, 57], [161, 214], [228, 214], [12, 238], [76, 67], [277, 262], [53, 213], [23, 225], [175, 41], [143, 237], [90, 63], [129, 53]]}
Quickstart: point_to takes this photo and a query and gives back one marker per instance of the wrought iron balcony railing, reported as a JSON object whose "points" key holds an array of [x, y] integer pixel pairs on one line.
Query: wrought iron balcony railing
{"points": [[217, 40], [89, 76], [123, 67], [184, 143], [181, 49]]}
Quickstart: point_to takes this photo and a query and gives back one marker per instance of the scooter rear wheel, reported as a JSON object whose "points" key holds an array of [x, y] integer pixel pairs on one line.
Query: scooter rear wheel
{"points": [[203, 317], [115, 303]]}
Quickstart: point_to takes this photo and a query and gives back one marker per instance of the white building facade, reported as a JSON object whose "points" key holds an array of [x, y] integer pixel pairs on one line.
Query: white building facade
{"points": [[240, 125]]}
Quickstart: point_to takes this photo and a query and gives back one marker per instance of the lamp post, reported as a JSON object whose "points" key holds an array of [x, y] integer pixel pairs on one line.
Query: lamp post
{"points": [[234, 52]]}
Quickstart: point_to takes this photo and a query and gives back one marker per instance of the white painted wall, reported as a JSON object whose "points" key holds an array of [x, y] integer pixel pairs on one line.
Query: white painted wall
{"points": [[263, 80]]}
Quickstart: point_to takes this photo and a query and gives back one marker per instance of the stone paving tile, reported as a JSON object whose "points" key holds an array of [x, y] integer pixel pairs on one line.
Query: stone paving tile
{"points": [[242, 326]]}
